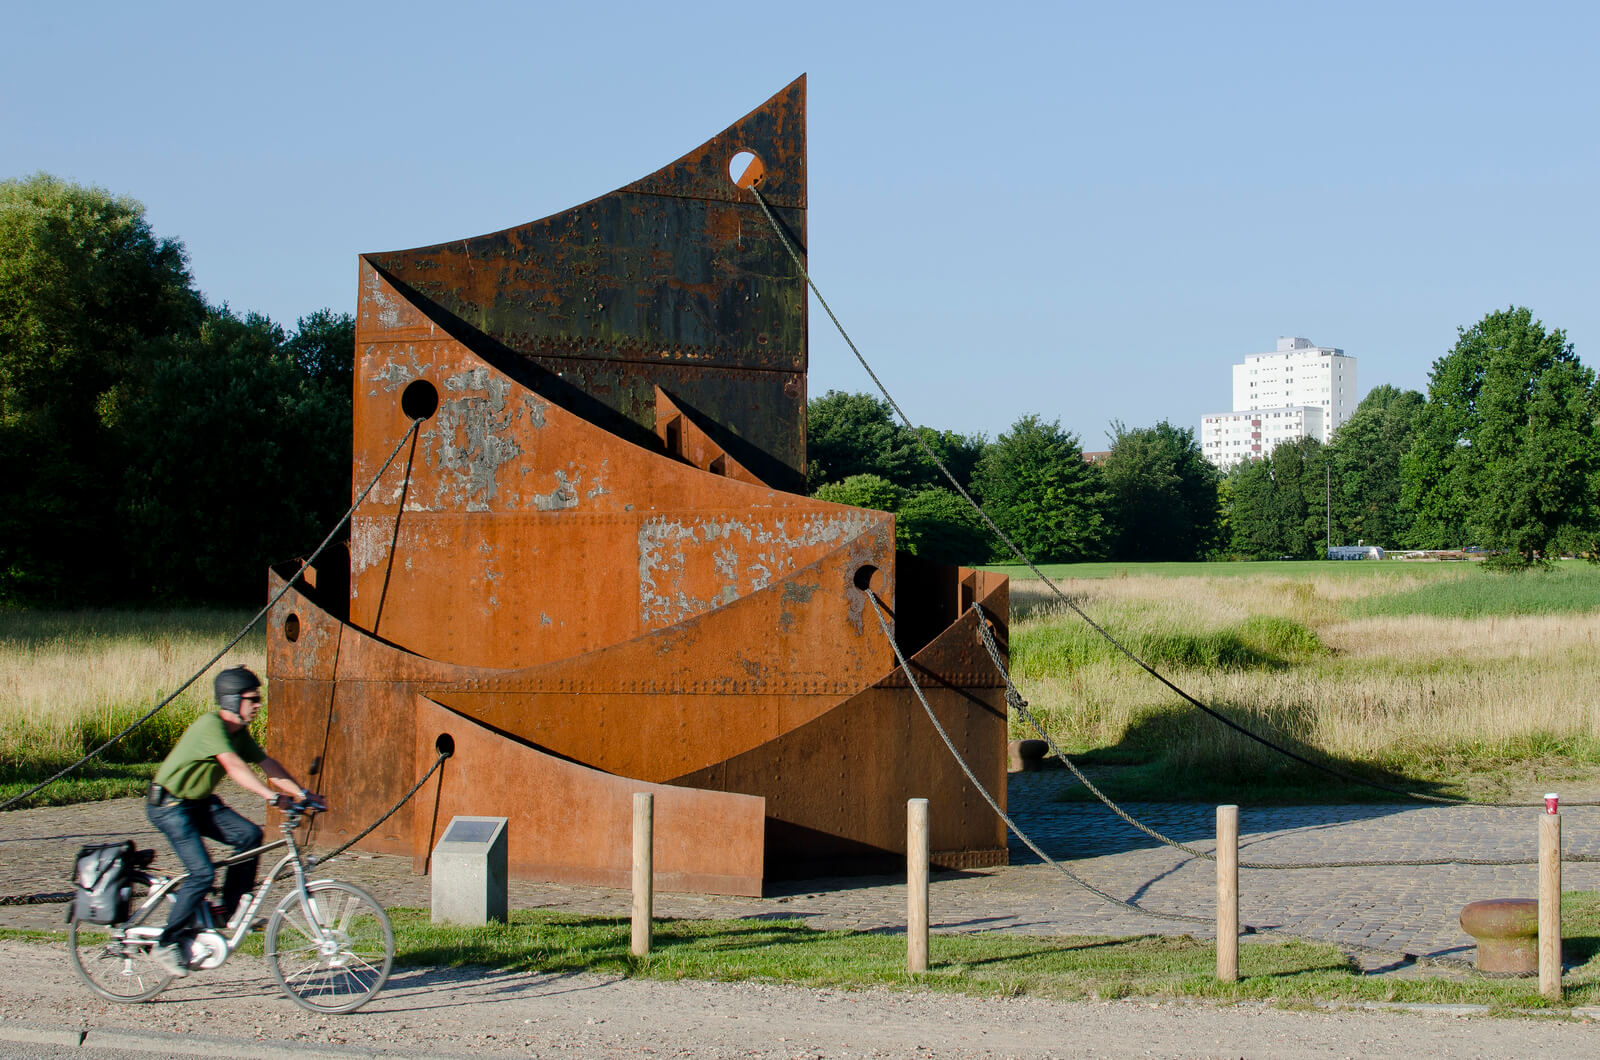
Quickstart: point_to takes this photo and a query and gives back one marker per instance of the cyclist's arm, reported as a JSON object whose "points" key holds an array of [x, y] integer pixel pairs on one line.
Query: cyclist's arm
{"points": [[280, 778], [246, 778]]}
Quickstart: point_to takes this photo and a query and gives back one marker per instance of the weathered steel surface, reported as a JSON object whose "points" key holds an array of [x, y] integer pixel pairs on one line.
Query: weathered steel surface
{"points": [[575, 823], [589, 570], [676, 281]]}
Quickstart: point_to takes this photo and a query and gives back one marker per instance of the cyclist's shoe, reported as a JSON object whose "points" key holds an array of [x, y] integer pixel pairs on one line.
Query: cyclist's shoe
{"points": [[172, 959]]}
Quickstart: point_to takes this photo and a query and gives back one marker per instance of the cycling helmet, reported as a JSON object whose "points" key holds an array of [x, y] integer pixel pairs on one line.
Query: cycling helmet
{"points": [[230, 684]]}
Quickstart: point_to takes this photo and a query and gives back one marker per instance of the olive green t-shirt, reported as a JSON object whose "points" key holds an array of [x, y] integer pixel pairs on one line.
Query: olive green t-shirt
{"points": [[192, 771]]}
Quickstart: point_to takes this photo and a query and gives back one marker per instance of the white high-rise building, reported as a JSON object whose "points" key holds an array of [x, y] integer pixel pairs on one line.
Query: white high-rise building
{"points": [[1296, 391]]}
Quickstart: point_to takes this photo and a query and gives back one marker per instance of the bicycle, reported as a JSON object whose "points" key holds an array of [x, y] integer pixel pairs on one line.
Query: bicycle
{"points": [[329, 944]]}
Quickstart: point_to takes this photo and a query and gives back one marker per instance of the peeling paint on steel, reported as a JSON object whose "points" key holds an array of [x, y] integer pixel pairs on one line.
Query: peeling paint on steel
{"points": [[669, 547]]}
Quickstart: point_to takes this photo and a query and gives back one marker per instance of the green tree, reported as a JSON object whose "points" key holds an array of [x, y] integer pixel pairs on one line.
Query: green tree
{"points": [[1507, 446], [1366, 453], [1278, 504], [323, 346], [86, 292], [959, 453], [856, 434], [933, 523], [1163, 494], [239, 458], [937, 524], [863, 491], [1036, 487]]}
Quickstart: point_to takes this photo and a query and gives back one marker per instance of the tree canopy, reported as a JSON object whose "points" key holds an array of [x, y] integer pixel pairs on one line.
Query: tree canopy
{"points": [[1162, 492], [1278, 504], [86, 289], [1366, 453], [1506, 453], [1035, 485], [856, 434], [158, 449]]}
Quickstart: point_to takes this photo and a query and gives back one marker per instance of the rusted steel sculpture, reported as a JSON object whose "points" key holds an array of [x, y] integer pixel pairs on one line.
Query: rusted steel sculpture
{"points": [[593, 570]]}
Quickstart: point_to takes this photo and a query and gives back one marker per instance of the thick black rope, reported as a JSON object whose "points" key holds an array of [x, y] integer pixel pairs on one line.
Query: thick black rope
{"points": [[53, 898], [1016, 702], [336, 851], [1244, 929], [1064, 597], [60, 897], [972, 778], [289, 584]]}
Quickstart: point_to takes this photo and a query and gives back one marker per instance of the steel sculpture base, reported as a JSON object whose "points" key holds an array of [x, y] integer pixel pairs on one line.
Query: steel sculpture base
{"points": [[593, 573]]}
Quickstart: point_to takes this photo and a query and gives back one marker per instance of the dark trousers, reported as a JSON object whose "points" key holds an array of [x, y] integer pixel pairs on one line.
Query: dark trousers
{"points": [[184, 823]]}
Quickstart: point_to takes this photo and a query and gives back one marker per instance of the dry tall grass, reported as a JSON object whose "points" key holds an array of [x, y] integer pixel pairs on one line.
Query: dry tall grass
{"points": [[1426, 696], [70, 680]]}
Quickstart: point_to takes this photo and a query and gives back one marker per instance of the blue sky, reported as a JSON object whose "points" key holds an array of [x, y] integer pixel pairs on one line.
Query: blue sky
{"points": [[1082, 211]]}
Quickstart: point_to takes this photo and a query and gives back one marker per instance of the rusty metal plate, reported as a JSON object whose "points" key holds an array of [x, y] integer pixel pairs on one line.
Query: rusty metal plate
{"points": [[592, 569]]}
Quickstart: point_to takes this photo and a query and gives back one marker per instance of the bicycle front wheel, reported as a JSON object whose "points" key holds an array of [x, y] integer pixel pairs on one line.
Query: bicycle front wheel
{"points": [[332, 952], [118, 969]]}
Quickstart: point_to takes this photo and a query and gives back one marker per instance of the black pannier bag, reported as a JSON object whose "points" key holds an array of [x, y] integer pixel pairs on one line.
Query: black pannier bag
{"points": [[102, 882]]}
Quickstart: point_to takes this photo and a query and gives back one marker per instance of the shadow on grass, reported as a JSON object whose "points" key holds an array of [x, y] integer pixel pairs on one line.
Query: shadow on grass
{"points": [[1182, 755], [562, 945]]}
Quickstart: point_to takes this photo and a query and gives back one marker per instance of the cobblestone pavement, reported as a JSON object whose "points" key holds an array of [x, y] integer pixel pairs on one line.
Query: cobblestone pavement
{"points": [[1398, 910]]}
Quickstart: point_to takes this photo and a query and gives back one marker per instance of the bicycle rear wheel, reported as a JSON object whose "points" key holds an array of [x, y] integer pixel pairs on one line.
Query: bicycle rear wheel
{"points": [[117, 969], [332, 953]]}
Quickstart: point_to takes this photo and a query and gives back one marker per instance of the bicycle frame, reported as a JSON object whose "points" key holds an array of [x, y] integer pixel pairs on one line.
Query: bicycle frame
{"points": [[162, 886], [329, 944]]}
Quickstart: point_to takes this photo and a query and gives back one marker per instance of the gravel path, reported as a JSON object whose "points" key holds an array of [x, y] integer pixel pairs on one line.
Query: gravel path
{"points": [[44, 1011], [238, 1012], [1392, 911]]}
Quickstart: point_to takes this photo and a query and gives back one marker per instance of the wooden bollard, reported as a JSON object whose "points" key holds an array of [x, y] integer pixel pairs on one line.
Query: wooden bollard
{"points": [[1550, 906], [916, 885], [643, 870], [1227, 894]]}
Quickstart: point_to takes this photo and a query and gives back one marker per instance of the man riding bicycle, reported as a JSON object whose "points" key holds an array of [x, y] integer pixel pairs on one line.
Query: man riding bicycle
{"points": [[181, 803]]}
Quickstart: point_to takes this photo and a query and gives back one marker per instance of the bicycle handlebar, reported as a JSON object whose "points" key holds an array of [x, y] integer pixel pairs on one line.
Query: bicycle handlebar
{"points": [[296, 808]]}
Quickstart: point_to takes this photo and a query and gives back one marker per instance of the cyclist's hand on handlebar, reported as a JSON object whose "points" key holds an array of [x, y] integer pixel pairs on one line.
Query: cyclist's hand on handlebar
{"points": [[283, 802]]}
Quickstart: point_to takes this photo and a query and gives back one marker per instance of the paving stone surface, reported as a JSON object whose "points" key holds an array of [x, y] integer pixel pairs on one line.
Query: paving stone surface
{"points": [[1395, 909]]}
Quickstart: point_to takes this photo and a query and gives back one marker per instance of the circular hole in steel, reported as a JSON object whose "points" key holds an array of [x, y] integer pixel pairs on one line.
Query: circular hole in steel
{"points": [[445, 744], [420, 400], [745, 169], [291, 628], [864, 576]]}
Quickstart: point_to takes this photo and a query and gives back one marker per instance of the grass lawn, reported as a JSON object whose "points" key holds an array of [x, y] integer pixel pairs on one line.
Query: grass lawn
{"points": [[1427, 676], [70, 680], [990, 964], [1442, 678]]}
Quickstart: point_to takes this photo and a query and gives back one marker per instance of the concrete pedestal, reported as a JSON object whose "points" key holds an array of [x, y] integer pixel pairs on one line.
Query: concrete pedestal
{"points": [[469, 872]]}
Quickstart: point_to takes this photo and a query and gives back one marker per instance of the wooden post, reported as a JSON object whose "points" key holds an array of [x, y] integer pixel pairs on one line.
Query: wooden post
{"points": [[1550, 906], [1227, 894], [643, 870], [917, 885]]}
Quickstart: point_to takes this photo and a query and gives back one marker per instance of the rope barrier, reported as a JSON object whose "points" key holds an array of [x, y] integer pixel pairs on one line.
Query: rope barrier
{"points": [[53, 898], [437, 762], [1245, 929], [905, 667], [153, 711], [1015, 701], [1023, 558], [61, 897]]}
